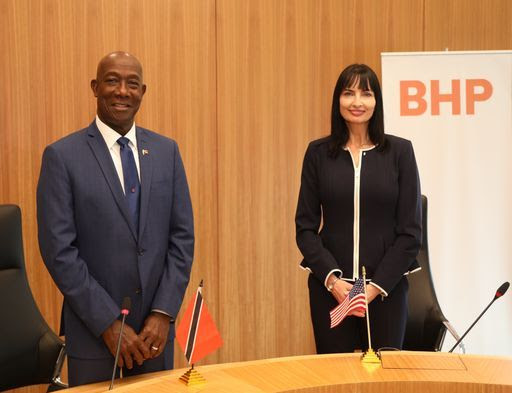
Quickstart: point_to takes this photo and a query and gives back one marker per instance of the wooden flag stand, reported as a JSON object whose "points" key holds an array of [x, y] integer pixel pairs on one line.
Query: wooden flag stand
{"points": [[192, 377], [369, 357]]}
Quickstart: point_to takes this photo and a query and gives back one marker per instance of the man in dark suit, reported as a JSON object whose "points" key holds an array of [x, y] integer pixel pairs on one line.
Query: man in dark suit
{"points": [[115, 220]]}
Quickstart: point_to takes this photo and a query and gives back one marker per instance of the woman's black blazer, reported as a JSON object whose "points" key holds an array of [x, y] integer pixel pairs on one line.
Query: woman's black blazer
{"points": [[348, 218]]}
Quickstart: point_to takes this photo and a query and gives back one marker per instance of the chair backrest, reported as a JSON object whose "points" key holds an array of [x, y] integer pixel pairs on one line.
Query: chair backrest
{"points": [[11, 242], [28, 347], [425, 330]]}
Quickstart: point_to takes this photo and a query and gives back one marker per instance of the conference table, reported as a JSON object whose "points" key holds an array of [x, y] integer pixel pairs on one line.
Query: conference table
{"points": [[399, 372]]}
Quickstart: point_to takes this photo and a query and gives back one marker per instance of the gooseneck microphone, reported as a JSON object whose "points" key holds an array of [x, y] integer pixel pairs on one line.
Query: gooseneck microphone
{"points": [[125, 310], [499, 293]]}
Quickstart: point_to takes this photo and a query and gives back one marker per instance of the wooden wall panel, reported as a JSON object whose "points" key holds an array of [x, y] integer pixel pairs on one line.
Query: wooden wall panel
{"points": [[243, 86], [278, 62], [50, 49], [468, 25]]}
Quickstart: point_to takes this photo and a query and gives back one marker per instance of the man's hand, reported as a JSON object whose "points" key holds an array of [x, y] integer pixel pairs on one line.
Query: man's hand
{"points": [[155, 332], [132, 347]]}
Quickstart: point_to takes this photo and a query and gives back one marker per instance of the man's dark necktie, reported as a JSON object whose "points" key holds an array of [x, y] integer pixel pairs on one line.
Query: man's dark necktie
{"points": [[131, 180]]}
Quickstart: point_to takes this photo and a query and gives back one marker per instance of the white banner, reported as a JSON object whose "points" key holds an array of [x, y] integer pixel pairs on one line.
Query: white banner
{"points": [[456, 108]]}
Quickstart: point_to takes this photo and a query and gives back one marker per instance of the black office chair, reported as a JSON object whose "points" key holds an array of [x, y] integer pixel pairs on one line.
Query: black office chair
{"points": [[426, 323], [30, 352]]}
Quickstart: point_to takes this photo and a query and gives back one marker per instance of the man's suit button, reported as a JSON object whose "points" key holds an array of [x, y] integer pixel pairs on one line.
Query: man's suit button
{"points": [[141, 253], [138, 291]]}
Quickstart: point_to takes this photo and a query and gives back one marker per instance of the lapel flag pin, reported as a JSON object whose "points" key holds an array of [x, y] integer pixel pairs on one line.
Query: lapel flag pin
{"points": [[145, 152]]}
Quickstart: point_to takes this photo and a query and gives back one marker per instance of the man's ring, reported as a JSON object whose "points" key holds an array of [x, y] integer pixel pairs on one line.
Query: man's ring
{"points": [[154, 348]]}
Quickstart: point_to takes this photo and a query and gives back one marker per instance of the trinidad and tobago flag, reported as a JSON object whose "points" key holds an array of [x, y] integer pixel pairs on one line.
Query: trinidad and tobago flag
{"points": [[197, 334]]}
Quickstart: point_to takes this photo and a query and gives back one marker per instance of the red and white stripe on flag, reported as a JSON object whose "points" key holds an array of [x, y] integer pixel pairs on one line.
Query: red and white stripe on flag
{"points": [[197, 334], [355, 301]]}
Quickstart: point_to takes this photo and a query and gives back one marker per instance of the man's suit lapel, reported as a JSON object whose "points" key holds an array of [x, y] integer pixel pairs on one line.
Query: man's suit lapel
{"points": [[146, 171], [100, 150]]}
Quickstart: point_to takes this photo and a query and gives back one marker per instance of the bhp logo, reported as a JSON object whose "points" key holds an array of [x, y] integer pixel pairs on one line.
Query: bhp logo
{"points": [[413, 102]]}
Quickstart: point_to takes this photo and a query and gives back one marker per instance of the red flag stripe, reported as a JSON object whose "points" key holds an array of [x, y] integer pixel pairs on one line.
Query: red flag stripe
{"points": [[344, 309], [341, 308], [357, 307]]}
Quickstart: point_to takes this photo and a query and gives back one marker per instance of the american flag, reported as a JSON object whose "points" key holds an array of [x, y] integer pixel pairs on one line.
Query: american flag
{"points": [[355, 301]]}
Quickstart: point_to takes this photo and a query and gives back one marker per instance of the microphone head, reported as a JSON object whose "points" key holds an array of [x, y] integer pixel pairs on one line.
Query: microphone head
{"points": [[126, 306], [501, 290]]}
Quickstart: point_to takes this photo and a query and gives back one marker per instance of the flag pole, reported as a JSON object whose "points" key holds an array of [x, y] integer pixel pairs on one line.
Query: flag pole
{"points": [[367, 310], [369, 356]]}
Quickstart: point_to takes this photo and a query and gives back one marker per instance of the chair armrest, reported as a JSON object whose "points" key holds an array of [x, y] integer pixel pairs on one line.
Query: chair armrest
{"points": [[58, 369], [455, 335]]}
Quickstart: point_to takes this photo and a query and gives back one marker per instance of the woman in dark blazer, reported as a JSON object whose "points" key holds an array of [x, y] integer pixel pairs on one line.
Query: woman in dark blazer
{"points": [[359, 205]]}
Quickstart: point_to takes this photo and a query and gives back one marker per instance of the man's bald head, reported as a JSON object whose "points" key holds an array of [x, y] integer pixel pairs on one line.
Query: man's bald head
{"points": [[121, 56]]}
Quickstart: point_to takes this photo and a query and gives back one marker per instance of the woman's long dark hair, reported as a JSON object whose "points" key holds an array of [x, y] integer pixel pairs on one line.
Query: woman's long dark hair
{"points": [[366, 78]]}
